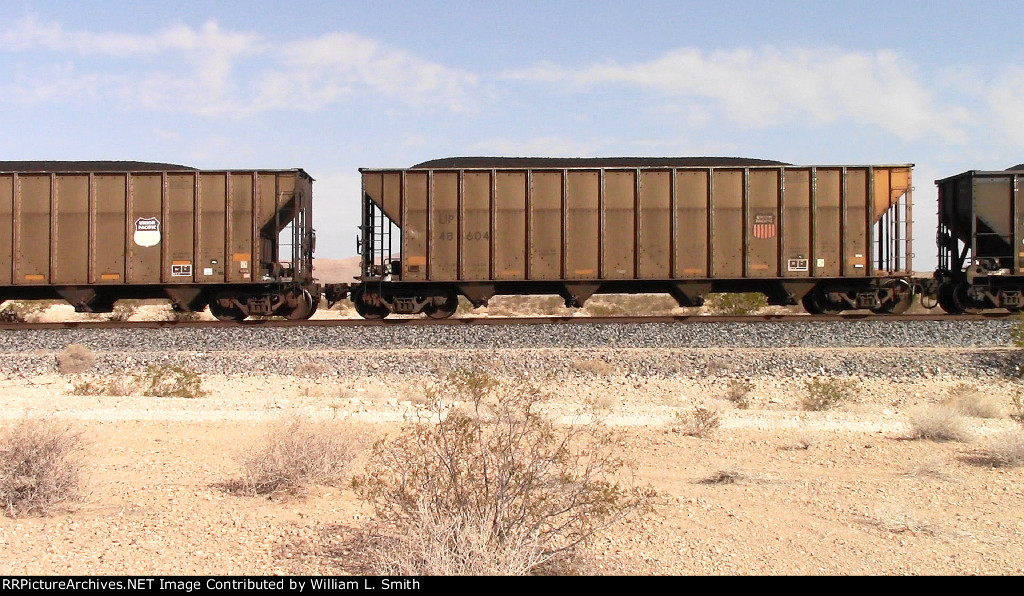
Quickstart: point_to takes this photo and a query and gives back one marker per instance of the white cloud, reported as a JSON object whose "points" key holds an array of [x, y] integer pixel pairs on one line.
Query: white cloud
{"points": [[1005, 97], [769, 86], [211, 71]]}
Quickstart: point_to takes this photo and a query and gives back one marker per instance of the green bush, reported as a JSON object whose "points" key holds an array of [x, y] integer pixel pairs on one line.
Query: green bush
{"points": [[733, 304], [826, 393]]}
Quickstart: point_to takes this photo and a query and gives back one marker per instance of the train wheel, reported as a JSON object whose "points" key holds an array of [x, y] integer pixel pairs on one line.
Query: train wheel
{"points": [[946, 300], [226, 313], [368, 311], [816, 303], [451, 304], [899, 305], [963, 300], [305, 309]]}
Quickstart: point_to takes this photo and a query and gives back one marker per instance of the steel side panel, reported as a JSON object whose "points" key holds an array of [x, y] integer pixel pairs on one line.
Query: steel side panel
{"points": [[509, 226], [144, 262], [444, 226], [1017, 242], [993, 205], [239, 257], [32, 255], [179, 237], [796, 223], [212, 206], [856, 234], [691, 235], [476, 226], [267, 208], [655, 222], [883, 188], [727, 229], [762, 227], [108, 241], [6, 228], [546, 226], [619, 246], [582, 221], [71, 258], [827, 218], [414, 233]]}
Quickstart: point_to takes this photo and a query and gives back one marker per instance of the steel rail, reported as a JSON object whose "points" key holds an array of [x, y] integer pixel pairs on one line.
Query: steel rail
{"points": [[546, 320]]}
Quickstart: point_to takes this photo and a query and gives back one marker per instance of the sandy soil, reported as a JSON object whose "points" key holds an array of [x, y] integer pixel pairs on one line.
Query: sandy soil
{"points": [[861, 499]]}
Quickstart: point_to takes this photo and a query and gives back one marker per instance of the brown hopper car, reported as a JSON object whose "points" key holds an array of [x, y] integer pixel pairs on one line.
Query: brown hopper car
{"points": [[95, 232], [833, 237], [981, 241]]}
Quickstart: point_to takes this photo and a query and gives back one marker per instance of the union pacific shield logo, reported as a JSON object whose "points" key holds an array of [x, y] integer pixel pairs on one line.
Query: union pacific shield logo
{"points": [[764, 225], [147, 231]]}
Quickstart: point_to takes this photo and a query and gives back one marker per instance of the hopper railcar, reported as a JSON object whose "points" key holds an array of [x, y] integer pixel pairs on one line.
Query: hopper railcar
{"points": [[91, 233], [981, 241], [830, 237]]}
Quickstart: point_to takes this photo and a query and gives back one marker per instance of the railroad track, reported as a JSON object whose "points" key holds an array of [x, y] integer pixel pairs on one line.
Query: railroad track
{"points": [[552, 320]]}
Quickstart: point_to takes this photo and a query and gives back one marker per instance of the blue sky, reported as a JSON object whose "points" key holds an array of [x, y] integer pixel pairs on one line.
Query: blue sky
{"points": [[335, 86]]}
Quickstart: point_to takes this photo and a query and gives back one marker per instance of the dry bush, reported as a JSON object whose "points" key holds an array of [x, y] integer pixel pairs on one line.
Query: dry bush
{"points": [[25, 312], [595, 366], [807, 438], [1006, 449], [40, 466], [630, 305], [701, 422], [499, 489], [938, 423], [978, 406], [74, 359], [736, 304], [826, 393], [294, 453], [729, 476], [123, 310], [739, 394], [159, 380]]}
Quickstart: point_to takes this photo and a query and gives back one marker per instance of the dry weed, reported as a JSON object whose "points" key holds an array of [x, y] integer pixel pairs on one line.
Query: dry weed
{"points": [[293, 454], [1006, 449], [497, 489], [938, 423], [701, 422], [74, 359], [40, 466]]}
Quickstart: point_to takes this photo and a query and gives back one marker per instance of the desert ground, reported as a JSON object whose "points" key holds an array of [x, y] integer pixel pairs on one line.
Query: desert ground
{"points": [[775, 489]]}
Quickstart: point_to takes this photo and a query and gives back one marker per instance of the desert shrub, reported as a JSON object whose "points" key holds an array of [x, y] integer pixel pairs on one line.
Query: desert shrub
{"points": [[807, 438], [966, 399], [701, 422], [938, 423], [739, 394], [159, 380], [595, 366], [1017, 408], [171, 381], [124, 309], [735, 303], [24, 312], [182, 315], [74, 359], [630, 305], [39, 466], [826, 393], [1006, 449], [498, 489], [294, 453]]}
